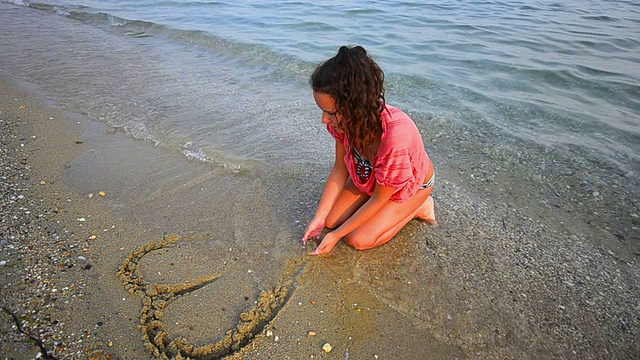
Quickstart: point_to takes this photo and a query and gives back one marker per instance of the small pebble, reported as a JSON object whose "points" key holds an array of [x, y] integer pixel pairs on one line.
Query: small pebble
{"points": [[326, 347]]}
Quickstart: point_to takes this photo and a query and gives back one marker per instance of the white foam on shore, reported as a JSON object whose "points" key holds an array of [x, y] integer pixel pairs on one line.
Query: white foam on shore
{"points": [[17, 2]]}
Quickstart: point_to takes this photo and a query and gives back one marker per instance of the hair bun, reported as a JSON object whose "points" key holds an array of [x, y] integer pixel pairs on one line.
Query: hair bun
{"points": [[346, 52], [359, 49], [343, 54]]}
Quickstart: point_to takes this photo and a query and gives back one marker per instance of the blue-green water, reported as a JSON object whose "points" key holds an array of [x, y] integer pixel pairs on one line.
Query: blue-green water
{"points": [[227, 81], [530, 111]]}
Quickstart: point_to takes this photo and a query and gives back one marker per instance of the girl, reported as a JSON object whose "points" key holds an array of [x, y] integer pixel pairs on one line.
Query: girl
{"points": [[382, 176]]}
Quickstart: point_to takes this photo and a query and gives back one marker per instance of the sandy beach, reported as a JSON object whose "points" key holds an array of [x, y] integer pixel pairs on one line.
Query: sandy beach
{"points": [[510, 273]]}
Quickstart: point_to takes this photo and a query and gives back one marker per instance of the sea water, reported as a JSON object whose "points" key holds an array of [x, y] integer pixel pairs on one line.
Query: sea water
{"points": [[222, 130], [225, 82], [200, 120]]}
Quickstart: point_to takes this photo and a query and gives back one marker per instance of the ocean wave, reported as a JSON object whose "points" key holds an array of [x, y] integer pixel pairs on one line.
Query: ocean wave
{"points": [[249, 53], [16, 2], [542, 70], [218, 160]]}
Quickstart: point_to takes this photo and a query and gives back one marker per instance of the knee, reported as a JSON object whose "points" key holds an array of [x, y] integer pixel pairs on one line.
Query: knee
{"points": [[359, 242]]}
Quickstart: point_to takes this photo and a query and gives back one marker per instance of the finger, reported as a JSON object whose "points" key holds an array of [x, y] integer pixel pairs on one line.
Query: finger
{"points": [[308, 237]]}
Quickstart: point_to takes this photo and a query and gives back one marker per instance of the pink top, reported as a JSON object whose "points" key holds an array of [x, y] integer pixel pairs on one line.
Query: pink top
{"points": [[401, 162]]}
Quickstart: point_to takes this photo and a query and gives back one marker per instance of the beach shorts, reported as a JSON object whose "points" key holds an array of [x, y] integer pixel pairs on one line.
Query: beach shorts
{"points": [[429, 183]]}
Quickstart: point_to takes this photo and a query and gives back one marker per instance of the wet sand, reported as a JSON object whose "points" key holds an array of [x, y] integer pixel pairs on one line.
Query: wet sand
{"points": [[72, 264], [525, 266]]}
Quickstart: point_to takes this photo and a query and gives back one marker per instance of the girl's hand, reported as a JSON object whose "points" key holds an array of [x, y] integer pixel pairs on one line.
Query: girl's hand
{"points": [[314, 230], [328, 243]]}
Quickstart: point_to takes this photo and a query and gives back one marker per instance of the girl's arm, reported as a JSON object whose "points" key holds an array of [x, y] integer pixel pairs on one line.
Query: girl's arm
{"points": [[381, 196], [335, 182]]}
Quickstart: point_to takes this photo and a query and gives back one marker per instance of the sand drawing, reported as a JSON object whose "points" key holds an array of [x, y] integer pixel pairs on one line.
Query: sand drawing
{"points": [[157, 297]]}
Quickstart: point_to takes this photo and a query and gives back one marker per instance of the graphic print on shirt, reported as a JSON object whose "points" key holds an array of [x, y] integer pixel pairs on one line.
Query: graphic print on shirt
{"points": [[363, 167]]}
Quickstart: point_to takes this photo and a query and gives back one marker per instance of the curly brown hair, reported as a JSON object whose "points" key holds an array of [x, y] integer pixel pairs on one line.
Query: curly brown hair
{"points": [[355, 81]]}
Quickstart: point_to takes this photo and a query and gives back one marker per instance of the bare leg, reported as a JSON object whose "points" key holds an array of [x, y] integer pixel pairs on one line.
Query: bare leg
{"points": [[426, 212], [389, 220]]}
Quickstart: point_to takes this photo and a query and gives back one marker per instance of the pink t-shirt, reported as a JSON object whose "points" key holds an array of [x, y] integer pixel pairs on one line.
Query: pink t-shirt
{"points": [[401, 162]]}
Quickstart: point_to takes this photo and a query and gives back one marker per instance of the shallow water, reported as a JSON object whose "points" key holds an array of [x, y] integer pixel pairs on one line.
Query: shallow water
{"points": [[232, 136], [216, 132], [225, 82]]}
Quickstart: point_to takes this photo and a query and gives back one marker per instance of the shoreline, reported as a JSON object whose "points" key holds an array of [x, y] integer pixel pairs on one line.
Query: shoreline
{"points": [[54, 269], [59, 277], [502, 283]]}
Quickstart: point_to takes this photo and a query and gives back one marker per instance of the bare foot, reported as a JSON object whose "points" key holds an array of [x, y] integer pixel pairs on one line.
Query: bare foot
{"points": [[426, 212]]}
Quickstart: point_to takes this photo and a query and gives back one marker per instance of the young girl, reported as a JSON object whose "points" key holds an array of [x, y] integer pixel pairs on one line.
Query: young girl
{"points": [[382, 176]]}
